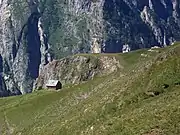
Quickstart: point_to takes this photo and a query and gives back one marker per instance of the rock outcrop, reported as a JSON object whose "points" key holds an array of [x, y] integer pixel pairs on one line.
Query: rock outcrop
{"points": [[77, 69]]}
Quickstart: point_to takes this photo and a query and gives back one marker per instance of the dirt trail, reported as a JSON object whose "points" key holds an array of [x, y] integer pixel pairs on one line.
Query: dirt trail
{"points": [[9, 129]]}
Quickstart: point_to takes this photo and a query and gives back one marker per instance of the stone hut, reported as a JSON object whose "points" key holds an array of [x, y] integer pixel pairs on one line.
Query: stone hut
{"points": [[54, 84]]}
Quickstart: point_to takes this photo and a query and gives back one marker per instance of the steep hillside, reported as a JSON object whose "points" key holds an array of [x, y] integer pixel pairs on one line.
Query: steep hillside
{"points": [[141, 98]]}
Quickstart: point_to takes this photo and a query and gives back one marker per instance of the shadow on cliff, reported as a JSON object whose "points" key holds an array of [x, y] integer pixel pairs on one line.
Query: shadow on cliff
{"points": [[29, 36], [34, 44]]}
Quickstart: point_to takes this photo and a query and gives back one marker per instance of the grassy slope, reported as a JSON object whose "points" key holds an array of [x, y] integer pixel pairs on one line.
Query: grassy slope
{"points": [[116, 104]]}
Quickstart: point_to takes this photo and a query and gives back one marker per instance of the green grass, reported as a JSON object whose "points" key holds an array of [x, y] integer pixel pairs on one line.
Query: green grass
{"points": [[117, 104]]}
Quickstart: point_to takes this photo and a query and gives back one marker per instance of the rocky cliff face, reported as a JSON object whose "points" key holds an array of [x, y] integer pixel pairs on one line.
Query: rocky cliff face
{"points": [[22, 46], [32, 31], [140, 23], [106, 25]]}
